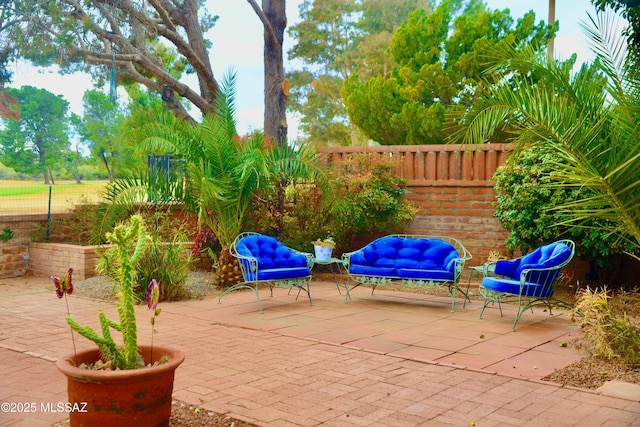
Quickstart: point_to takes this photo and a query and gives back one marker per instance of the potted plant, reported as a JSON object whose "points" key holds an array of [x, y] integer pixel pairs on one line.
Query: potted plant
{"points": [[323, 248], [127, 384]]}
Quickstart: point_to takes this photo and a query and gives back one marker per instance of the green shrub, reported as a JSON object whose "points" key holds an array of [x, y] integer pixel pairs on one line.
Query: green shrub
{"points": [[371, 199], [165, 258], [525, 207], [363, 197], [92, 172]]}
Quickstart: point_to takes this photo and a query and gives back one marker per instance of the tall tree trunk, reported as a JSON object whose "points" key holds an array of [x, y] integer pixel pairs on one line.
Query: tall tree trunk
{"points": [[552, 20], [43, 166], [76, 165], [276, 88], [103, 155]]}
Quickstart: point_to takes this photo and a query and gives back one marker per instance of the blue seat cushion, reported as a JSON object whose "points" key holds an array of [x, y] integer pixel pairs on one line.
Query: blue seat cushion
{"points": [[364, 270], [547, 256], [406, 257], [511, 286], [282, 273], [440, 275], [269, 252]]}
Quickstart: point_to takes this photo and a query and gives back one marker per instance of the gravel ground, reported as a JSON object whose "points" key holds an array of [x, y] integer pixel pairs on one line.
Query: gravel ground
{"points": [[588, 373]]}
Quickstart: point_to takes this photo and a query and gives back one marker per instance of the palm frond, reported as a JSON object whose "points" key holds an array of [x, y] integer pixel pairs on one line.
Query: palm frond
{"points": [[587, 118]]}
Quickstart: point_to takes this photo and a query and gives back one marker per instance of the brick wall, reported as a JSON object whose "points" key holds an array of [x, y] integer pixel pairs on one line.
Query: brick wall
{"points": [[46, 259], [20, 256], [464, 213], [452, 188], [14, 253]]}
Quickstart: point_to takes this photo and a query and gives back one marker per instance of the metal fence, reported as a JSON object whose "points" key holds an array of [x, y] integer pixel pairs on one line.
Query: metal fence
{"points": [[29, 198]]}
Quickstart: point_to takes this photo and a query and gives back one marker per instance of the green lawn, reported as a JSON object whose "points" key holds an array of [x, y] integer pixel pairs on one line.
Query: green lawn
{"points": [[27, 197]]}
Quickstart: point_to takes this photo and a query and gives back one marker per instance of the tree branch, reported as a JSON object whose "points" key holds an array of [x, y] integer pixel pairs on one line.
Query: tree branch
{"points": [[268, 29]]}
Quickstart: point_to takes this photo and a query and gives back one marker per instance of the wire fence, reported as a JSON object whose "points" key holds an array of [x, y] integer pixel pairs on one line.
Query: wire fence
{"points": [[28, 198], [28, 211]]}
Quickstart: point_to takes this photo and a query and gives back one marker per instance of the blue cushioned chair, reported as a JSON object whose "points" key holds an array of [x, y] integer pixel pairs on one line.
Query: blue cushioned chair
{"points": [[530, 279], [413, 260], [263, 259]]}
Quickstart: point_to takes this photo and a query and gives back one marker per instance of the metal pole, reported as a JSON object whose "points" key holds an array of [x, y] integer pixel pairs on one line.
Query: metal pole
{"points": [[49, 215]]}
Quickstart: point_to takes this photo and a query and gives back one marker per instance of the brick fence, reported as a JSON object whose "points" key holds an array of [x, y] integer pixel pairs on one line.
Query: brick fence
{"points": [[451, 186], [14, 253]]}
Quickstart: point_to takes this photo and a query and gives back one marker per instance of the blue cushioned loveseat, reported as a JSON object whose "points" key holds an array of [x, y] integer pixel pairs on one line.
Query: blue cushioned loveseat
{"points": [[415, 261], [264, 259]]}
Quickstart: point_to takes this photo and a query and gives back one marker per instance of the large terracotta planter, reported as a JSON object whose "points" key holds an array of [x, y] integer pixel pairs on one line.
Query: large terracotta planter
{"points": [[136, 397]]}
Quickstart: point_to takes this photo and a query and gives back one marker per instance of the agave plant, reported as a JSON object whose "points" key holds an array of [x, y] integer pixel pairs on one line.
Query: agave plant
{"points": [[588, 119]]}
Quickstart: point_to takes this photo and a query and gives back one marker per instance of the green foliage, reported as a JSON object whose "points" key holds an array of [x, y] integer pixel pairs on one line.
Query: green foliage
{"points": [[102, 127], [77, 227], [6, 235], [587, 119], [8, 173], [437, 59], [605, 334], [334, 39], [526, 198], [130, 240], [92, 172], [630, 10], [166, 258], [38, 142], [370, 201], [363, 197], [223, 171]]}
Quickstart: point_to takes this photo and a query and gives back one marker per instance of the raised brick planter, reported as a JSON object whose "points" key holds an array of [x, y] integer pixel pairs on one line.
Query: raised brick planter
{"points": [[46, 259]]}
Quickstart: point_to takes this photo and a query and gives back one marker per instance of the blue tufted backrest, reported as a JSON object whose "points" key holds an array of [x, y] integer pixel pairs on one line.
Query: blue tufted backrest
{"points": [[405, 252], [269, 252], [547, 256]]}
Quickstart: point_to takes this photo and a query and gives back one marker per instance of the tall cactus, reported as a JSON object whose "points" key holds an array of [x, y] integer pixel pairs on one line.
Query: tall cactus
{"points": [[130, 239]]}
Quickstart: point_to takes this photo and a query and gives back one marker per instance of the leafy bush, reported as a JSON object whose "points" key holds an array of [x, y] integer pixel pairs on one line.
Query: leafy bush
{"points": [[364, 196], [525, 207], [605, 334], [371, 199], [165, 258], [92, 172]]}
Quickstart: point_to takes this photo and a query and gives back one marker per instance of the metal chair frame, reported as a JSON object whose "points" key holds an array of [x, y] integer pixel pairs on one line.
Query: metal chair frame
{"points": [[249, 267], [526, 302]]}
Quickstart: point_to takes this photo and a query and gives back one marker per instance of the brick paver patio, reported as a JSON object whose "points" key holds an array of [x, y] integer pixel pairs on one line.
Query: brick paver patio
{"points": [[390, 359]]}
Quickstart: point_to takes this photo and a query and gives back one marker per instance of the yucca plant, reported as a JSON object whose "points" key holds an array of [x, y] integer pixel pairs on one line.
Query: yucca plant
{"points": [[588, 119]]}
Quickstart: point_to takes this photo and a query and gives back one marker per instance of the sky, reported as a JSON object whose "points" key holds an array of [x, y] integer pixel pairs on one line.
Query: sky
{"points": [[238, 42]]}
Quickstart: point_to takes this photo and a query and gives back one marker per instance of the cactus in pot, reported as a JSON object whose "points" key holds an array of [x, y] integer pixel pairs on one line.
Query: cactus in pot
{"points": [[129, 240]]}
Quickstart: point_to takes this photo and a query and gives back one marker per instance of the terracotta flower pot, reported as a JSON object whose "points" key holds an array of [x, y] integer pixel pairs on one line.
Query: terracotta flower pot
{"points": [[136, 397]]}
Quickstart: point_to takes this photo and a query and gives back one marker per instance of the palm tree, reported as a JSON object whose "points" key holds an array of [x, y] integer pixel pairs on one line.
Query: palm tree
{"points": [[590, 119], [223, 171]]}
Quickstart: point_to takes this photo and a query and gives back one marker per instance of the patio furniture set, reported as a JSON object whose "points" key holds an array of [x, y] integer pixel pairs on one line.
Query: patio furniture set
{"points": [[415, 261]]}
